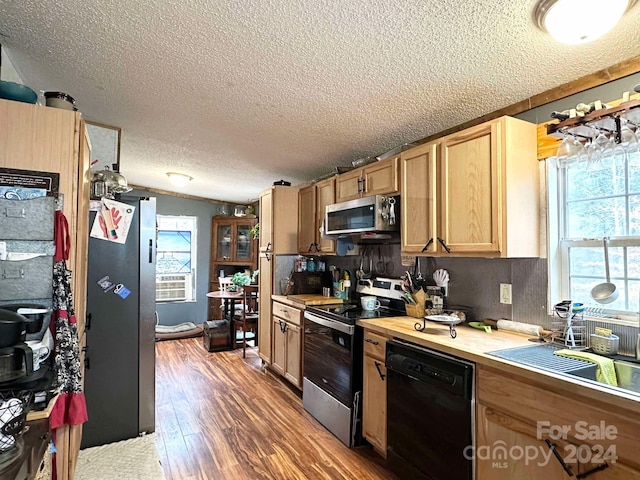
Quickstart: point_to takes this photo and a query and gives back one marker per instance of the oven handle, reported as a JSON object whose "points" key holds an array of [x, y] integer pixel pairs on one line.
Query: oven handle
{"points": [[341, 327]]}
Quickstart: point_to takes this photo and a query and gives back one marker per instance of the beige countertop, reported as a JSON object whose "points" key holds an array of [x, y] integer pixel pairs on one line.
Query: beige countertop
{"points": [[473, 344], [300, 301]]}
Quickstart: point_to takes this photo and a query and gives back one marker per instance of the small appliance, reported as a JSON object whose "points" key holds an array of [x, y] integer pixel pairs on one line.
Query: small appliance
{"points": [[377, 214]]}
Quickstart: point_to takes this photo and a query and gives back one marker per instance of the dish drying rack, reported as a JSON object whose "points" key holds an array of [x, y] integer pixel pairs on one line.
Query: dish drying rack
{"points": [[568, 325]]}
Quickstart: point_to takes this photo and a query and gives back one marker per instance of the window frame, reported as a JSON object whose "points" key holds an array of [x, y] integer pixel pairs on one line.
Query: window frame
{"points": [[559, 255], [163, 218]]}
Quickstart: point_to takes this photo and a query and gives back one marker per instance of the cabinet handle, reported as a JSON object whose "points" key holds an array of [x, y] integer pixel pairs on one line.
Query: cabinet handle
{"points": [[593, 470], [427, 245], [377, 364], [364, 185], [87, 323], [566, 467], [267, 256], [444, 245], [317, 247], [373, 342], [268, 247], [150, 250], [310, 246]]}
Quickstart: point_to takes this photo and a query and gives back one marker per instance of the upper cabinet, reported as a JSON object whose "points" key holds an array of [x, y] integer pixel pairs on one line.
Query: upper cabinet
{"points": [[232, 240], [279, 220], [312, 201], [379, 178], [473, 193]]}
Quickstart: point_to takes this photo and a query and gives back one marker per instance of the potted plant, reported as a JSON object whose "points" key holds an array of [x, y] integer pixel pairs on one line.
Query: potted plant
{"points": [[240, 279], [255, 231]]}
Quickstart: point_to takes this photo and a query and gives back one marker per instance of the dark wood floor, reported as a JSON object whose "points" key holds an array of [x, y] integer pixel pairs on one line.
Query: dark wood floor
{"points": [[218, 416]]}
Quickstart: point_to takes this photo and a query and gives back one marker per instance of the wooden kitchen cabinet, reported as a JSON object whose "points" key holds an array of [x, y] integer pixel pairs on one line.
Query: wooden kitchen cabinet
{"points": [[312, 201], [233, 249], [39, 138], [379, 178], [374, 392], [473, 193], [515, 414], [279, 220], [287, 343], [265, 287]]}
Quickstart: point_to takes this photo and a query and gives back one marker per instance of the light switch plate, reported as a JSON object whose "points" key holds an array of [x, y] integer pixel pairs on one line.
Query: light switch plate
{"points": [[505, 293]]}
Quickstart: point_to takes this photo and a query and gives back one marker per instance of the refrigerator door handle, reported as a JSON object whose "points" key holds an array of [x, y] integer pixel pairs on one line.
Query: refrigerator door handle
{"points": [[150, 250], [87, 325]]}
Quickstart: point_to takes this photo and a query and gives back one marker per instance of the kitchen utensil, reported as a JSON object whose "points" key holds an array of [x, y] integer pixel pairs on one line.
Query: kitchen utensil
{"points": [[360, 271], [59, 100], [480, 326], [389, 266], [519, 327], [17, 92], [605, 292], [441, 277], [410, 281], [380, 265]]}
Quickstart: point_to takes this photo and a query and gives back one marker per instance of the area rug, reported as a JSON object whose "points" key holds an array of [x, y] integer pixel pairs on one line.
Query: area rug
{"points": [[134, 459]]}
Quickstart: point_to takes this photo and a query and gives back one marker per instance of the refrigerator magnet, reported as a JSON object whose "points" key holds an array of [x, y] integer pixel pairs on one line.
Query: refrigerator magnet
{"points": [[121, 291]]}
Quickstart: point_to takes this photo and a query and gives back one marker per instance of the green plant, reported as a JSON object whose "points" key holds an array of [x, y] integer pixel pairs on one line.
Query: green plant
{"points": [[255, 231], [240, 279]]}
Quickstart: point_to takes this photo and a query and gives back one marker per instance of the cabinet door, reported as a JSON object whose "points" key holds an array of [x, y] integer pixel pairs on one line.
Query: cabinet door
{"points": [[293, 370], [307, 219], [374, 403], [419, 199], [381, 178], [499, 440], [471, 190], [266, 221], [264, 309], [223, 241], [349, 186], [325, 195], [279, 346]]}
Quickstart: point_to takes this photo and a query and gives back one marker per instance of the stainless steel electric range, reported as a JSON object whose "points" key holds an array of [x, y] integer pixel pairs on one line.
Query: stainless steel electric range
{"points": [[332, 366]]}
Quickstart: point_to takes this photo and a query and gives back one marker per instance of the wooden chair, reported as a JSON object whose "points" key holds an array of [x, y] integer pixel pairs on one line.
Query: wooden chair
{"points": [[225, 283], [247, 317]]}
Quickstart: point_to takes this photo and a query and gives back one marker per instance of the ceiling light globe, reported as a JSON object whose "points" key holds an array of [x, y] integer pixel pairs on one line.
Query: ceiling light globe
{"points": [[179, 179], [579, 21]]}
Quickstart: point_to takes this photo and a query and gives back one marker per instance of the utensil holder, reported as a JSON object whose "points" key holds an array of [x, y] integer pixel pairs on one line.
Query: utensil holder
{"points": [[417, 311], [604, 345]]}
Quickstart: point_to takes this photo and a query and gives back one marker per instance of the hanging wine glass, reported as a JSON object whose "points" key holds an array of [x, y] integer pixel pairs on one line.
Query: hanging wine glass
{"points": [[597, 147]]}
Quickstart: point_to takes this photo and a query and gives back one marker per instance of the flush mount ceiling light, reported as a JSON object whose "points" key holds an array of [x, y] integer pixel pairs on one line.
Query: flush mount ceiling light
{"points": [[579, 21], [179, 179]]}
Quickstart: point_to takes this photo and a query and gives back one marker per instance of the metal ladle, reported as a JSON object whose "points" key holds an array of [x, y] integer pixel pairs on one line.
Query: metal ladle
{"points": [[605, 292]]}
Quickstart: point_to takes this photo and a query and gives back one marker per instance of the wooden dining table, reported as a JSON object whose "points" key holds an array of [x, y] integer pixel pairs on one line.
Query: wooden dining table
{"points": [[229, 299]]}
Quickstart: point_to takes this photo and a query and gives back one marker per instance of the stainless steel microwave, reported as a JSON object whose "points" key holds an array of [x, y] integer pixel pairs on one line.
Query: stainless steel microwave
{"points": [[378, 213]]}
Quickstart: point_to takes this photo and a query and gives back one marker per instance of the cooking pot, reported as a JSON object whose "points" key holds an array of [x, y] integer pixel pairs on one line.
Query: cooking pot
{"points": [[34, 314], [60, 100], [105, 183], [12, 328]]}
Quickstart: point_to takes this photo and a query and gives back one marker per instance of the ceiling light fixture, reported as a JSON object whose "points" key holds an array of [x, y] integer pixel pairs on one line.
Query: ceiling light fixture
{"points": [[579, 21], [179, 179]]}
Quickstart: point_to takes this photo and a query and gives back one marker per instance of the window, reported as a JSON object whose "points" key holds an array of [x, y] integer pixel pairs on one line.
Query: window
{"points": [[595, 200], [176, 258]]}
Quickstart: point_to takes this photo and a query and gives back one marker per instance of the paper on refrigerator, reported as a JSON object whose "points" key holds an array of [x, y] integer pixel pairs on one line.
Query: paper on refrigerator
{"points": [[113, 221]]}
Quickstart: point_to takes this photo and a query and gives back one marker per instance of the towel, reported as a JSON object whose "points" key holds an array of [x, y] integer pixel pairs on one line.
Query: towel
{"points": [[605, 372]]}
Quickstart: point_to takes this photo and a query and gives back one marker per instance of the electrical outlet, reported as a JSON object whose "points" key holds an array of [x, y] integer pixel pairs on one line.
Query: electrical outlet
{"points": [[505, 293]]}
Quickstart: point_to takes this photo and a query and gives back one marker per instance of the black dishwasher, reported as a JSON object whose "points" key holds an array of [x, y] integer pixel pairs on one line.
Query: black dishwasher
{"points": [[430, 413]]}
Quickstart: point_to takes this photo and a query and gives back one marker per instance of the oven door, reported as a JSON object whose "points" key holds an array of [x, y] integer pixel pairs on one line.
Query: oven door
{"points": [[332, 357]]}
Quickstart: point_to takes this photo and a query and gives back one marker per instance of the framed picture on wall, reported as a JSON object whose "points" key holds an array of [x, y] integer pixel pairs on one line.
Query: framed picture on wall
{"points": [[105, 146]]}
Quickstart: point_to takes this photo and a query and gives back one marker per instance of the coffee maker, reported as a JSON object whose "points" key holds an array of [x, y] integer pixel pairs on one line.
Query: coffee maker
{"points": [[21, 359]]}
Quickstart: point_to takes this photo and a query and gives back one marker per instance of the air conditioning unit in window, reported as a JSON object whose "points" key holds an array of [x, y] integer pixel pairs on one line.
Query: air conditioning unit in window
{"points": [[174, 287]]}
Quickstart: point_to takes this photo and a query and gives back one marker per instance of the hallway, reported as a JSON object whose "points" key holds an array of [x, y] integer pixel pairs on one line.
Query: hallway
{"points": [[218, 416]]}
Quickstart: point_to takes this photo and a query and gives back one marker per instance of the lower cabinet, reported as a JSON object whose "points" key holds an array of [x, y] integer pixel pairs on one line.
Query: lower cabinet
{"points": [[286, 345], [520, 423], [374, 392]]}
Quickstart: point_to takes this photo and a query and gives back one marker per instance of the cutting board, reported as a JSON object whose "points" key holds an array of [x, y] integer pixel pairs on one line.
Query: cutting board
{"points": [[314, 299]]}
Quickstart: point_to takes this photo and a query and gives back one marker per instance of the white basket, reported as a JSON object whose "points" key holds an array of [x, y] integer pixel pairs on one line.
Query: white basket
{"points": [[605, 345]]}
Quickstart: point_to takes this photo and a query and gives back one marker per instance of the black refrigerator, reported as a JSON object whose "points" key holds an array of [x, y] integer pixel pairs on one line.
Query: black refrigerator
{"points": [[120, 332]]}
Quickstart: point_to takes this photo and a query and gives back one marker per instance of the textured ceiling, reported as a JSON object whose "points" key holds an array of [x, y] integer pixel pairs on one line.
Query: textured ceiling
{"points": [[239, 94]]}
